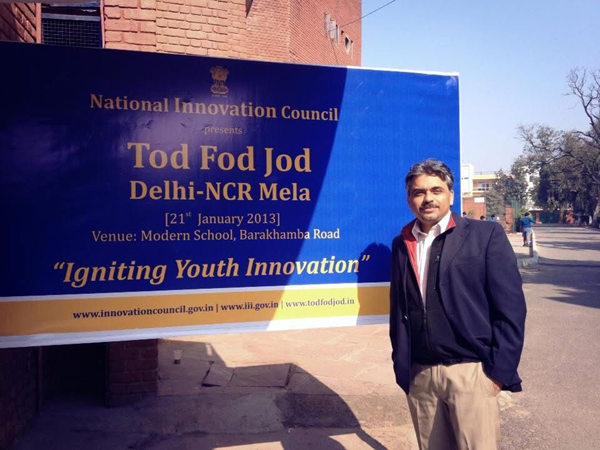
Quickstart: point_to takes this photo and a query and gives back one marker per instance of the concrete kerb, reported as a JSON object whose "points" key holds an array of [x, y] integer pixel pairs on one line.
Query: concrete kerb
{"points": [[533, 254]]}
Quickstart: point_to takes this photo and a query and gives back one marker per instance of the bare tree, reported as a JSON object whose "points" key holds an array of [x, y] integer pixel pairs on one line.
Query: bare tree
{"points": [[572, 157], [586, 87]]}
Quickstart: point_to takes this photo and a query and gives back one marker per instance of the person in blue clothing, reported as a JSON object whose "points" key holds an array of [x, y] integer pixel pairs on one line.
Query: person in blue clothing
{"points": [[526, 222]]}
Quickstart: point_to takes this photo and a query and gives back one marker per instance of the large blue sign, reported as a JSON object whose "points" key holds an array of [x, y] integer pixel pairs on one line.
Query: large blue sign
{"points": [[125, 172]]}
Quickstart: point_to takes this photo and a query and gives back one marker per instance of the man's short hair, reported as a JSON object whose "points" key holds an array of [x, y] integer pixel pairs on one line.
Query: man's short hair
{"points": [[432, 167], [526, 214]]}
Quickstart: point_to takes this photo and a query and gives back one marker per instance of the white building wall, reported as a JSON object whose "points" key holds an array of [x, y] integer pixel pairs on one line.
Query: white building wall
{"points": [[467, 171]]}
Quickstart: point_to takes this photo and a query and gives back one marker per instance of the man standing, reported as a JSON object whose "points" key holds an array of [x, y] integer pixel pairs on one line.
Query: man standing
{"points": [[457, 317], [526, 229]]}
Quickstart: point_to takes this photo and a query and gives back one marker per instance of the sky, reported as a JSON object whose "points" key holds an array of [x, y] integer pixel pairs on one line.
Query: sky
{"points": [[512, 57]]}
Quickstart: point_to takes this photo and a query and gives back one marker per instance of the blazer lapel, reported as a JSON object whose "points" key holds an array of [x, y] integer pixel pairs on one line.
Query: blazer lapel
{"points": [[453, 242]]}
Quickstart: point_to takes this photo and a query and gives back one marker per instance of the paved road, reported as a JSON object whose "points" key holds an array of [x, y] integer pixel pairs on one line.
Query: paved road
{"points": [[559, 408]]}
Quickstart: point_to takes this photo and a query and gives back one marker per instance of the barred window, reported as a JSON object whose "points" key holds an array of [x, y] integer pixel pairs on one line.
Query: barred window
{"points": [[74, 25]]}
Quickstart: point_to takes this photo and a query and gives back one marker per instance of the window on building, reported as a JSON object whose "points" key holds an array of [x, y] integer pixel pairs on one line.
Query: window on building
{"points": [[73, 25], [332, 29], [485, 186], [334, 32], [349, 46]]}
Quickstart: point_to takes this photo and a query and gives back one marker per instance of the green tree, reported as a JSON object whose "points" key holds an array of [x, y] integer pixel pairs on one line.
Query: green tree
{"points": [[494, 202], [513, 185]]}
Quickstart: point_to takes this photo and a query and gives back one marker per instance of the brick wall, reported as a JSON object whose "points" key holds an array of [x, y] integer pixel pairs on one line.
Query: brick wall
{"points": [[130, 24], [309, 42], [132, 371], [18, 22], [509, 219], [294, 31], [474, 210], [193, 27], [268, 25], [18, 391], [202, 27], [273, 30]]}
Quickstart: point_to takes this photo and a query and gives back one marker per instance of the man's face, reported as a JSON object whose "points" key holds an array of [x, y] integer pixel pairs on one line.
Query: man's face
{"points": [[429, 199]]}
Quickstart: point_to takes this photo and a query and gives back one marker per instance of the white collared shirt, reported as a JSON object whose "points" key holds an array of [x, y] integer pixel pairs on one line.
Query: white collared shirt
{"points": [[424, 241]]}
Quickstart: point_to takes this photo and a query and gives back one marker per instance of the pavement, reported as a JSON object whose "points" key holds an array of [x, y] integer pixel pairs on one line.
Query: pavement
{"points": [[316, 389], [560, 403]]}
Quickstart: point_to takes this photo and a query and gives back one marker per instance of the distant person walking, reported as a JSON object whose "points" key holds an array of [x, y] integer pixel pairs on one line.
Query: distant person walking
{"points": [[526, 222]]}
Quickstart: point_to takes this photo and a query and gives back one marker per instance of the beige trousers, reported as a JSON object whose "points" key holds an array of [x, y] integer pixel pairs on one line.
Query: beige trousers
{"points": [[454, 407]]}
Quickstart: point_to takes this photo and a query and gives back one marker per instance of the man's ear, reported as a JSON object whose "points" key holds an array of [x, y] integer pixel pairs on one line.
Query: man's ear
{"points": [[451, 198]]}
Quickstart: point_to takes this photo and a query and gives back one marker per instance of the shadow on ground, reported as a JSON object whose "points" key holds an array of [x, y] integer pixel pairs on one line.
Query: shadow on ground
{"points": [[249, 404], [229, 399], [569, 266]]}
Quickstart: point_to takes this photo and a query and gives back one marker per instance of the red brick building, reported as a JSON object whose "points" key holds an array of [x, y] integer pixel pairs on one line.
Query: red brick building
{"points": [[270, 30], [20, 22], [311, 31], [308, 31]]}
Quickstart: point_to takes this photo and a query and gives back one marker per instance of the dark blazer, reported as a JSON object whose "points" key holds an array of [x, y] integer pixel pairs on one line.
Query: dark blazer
{"points": [[481, 292]]}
